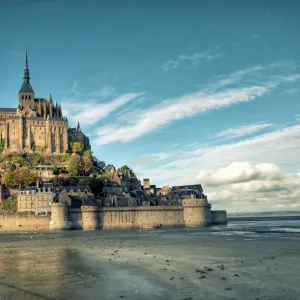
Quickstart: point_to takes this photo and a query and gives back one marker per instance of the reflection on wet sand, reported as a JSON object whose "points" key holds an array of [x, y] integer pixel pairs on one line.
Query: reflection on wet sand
{"points": [[67, 274], [43, 275]]}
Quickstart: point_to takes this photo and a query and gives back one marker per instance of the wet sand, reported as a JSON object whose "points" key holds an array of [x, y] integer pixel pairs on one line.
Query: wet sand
{"points": [[161, 264]]}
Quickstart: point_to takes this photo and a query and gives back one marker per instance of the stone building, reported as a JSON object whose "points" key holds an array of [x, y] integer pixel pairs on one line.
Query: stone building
{"points": [[37, 124], [43, 172], [38, 199]]}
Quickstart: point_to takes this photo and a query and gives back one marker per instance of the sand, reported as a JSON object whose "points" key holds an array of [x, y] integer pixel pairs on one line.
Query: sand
{"points": [[159, 264]]}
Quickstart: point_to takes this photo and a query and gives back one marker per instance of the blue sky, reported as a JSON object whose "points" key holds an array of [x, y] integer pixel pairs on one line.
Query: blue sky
{"points": [[181, 91]]}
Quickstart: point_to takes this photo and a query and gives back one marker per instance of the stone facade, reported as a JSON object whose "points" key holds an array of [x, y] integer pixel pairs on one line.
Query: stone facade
{"points": [[38, 199], [37, 124], [43, 172]]}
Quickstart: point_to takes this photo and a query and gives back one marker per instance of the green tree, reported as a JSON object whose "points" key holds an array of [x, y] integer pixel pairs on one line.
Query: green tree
{"points": [[74, 166], [126, 168], [77, 147], [25, 177], [2, 145], [9, 204], [72, 181], [19, 177], [95, 184], [8, 179]]}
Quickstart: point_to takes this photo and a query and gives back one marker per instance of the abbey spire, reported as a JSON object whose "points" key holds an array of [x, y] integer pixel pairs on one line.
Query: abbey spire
{"points": [[26, 86]]}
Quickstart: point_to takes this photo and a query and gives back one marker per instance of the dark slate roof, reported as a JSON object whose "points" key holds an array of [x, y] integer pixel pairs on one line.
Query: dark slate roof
{"points": [[69, 188], [189, 186], [26, 88], [40, 168], [8, 109], [35, 188]]}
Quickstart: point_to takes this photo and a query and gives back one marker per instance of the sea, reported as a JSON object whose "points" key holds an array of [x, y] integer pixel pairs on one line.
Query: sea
{"points": [[282, 227]]}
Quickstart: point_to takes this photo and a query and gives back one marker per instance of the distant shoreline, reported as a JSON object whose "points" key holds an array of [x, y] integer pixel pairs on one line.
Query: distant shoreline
{"points": [[261, 216]]}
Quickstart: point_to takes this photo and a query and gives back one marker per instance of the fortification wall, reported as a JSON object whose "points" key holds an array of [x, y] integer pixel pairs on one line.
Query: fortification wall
{"points": [[141, 217], [196, 212], [75, 218], [23, 222], [219, 217], [191, 214]]}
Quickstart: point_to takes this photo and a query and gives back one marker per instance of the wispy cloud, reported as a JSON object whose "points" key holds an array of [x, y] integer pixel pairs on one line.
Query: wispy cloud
{"points": [[291, 91], [152, 158], [179, 108], [90, 111], [194, 58], [170, 64], [242, 130], [255, 36], [145, 121]]}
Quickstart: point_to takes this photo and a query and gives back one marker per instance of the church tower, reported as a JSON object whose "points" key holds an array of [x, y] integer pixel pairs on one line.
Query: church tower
{"points": [[26, 93]]}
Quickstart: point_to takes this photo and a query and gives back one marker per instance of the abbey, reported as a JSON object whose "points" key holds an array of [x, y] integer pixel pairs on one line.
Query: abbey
{"points": [[37, 124]]}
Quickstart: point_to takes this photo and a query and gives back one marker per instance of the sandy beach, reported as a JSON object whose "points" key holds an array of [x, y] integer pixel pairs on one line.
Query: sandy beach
{"points": [[159, 264]]}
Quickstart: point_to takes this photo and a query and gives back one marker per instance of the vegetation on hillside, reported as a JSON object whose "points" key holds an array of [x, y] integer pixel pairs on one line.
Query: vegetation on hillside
{"points": [[126, 168], [9, 204], [19, 178]]}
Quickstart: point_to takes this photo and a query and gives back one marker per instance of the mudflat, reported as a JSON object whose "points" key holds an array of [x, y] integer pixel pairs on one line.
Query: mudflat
{"points": [[160, 264]]}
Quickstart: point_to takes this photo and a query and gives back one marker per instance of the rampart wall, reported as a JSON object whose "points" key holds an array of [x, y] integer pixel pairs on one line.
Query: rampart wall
{"points": [[219, 217], [23, 222], [191, 214]]}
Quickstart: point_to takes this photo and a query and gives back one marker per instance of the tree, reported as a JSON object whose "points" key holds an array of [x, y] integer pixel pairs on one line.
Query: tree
{"points": [[19, 177], [74, 166], [8, 179], [25, 177], [77, 147], [2, 145], [72, 181], [9, 204], [126, 168], [98, 163], [59, 181], [95, 184], [87, 165]]}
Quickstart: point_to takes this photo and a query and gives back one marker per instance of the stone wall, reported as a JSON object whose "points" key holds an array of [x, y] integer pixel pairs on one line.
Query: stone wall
{"points": [[23, 222], [141, 217], [191, 214], [219, 217]]}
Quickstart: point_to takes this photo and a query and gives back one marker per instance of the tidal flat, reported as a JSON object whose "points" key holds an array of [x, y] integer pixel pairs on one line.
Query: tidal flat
{"points": [[182, 264]]}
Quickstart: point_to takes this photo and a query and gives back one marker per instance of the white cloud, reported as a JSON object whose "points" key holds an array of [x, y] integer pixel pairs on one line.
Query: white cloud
{"points": [[89, 112], [242, 130], [176, 109], [266, 193], [153, 118], [152, 158], [195, 58], [170, 64], [236, 175], [239, 172], [291, 91]]}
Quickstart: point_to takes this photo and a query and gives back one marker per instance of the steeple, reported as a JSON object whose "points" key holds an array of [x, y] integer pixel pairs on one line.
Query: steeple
{"points": [[26, 86], [78, 127]]}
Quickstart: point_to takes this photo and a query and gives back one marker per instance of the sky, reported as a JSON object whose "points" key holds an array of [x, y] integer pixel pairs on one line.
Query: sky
{"points": [[183, 92]]}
